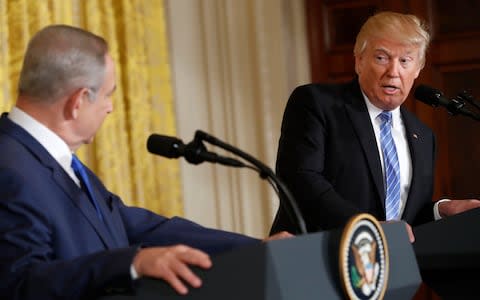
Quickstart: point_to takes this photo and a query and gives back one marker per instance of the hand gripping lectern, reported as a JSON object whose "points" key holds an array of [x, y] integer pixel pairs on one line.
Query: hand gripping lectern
{"points": [[448, 255], [301, 268]]}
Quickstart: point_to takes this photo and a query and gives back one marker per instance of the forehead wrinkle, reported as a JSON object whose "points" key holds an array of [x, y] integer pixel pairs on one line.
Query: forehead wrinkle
{"points": [[407, 52]]}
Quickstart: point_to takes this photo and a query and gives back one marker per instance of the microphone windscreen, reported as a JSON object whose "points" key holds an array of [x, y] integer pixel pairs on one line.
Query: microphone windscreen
{"points": [[166, 146], [428, 95]]}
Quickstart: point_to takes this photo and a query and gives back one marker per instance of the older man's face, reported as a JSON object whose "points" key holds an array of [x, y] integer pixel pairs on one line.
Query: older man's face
{"points": [[386, 71], [94, 112]]}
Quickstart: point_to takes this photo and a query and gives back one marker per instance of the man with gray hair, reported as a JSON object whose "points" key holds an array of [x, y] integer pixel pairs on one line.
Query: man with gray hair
{"points": [[63, 235]]}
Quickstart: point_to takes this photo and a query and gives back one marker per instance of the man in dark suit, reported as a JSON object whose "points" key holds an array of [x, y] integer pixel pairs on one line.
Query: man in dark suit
{"points": [[340, 157], [63, 235]]}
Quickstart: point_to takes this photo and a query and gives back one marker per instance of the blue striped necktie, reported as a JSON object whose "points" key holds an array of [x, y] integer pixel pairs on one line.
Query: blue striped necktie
{"points": [[391, 167], [81, 173]]}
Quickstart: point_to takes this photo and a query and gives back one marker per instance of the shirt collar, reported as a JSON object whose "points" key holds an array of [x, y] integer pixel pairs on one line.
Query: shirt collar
{"points": [[55, 145], [374, 111]]}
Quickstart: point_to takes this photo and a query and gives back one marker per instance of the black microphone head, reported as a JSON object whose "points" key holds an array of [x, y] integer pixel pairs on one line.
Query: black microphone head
{"points": [[428, 95], [167, 146]]}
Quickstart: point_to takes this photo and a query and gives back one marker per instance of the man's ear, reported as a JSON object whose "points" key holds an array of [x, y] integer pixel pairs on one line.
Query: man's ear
{"points": [[358, 61], [75, 102], [417, 73]]}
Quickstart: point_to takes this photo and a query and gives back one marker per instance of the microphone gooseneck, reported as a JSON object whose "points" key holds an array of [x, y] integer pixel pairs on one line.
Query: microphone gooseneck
{"points": [[286, 198], [195, 152]]}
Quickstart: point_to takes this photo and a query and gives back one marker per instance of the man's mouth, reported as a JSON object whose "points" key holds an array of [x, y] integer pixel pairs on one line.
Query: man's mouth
{"points": [[390, 89]]}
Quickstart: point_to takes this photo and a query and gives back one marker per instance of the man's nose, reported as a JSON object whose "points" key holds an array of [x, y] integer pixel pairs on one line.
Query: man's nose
{"points": [[393, 68]]}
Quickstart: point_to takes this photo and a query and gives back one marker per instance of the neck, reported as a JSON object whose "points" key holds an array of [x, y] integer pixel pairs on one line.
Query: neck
{"points": [[49, 114]]}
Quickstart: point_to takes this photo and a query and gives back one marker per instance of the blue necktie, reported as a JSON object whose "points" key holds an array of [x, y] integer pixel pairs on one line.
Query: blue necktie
{"points": [[391, 166], [79, 170]]}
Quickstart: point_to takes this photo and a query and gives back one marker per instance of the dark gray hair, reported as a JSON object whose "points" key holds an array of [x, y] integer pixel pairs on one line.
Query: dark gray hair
{"points": [[61, 59]]}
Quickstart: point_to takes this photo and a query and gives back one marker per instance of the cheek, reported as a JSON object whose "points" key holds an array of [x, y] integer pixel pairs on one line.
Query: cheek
{"points": [[378, 71], [408, 80], [108, 106], [373, 77]]}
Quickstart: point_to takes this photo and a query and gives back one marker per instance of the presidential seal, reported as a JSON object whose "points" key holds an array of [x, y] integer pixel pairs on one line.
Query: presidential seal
{"points": [[363, 258]]}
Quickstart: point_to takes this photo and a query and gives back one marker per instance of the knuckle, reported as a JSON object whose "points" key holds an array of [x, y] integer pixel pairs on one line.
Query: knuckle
{"points": [[181, 248]]}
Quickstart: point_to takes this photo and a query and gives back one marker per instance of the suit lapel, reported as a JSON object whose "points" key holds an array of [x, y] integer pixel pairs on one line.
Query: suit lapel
{"points": [[358, 113], [414, 140], [82, 201], [73, 192], [111, 216]]}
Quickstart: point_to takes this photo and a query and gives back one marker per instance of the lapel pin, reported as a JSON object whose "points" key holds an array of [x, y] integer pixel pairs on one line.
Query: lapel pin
{"points": [[415, 136]]}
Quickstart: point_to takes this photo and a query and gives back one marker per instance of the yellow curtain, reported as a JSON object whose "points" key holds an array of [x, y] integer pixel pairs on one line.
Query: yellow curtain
{"points": [[143, 101]]}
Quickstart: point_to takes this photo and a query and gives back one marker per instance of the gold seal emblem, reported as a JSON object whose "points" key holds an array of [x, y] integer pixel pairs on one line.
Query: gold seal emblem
{"points": [[363, 258]]}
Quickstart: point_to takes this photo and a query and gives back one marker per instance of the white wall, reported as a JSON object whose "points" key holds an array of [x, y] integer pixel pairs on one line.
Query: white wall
{"points": [[234, 64]]}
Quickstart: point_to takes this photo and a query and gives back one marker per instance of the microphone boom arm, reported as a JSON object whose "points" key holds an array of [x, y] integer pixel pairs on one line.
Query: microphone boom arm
{"points": [[286, 198]]}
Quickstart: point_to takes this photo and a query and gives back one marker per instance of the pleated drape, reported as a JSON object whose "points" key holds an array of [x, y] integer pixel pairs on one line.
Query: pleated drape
{"points": [[143, 101]]}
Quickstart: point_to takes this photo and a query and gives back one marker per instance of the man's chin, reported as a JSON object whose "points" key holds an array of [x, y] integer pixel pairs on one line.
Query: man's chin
{"points": [[392, 102]]}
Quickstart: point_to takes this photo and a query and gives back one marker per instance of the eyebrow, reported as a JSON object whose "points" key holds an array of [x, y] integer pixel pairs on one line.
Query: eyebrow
{"points": [[381, 49]]}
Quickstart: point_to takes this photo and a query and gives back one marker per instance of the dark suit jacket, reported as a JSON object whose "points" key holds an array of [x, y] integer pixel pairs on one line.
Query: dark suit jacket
{"points": [[52, 243], [328, 158]]}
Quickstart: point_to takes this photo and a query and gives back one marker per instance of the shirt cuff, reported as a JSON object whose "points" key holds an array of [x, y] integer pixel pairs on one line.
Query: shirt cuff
{"points": [[133, 272], [436, 213]]}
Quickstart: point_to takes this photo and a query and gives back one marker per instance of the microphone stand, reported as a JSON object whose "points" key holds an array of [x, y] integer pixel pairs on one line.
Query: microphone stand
{"points": [[466, 96], [457, 106], [265, 173]]}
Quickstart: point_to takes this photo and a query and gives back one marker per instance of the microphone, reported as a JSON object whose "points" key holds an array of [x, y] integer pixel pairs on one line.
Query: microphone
{"points": [[194, 152], [434, 97]]}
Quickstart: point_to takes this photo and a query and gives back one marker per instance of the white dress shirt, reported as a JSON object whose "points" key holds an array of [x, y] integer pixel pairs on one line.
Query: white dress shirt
{"points": [[399, 136], [403, 151], [54, 144]]}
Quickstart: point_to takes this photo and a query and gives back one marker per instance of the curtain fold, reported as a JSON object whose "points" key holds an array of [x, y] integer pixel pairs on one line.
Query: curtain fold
{"points": [[143, 101]]}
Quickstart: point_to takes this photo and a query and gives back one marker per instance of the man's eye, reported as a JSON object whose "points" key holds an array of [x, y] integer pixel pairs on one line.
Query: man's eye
{"points": [[405, 61], [381, 59]]}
